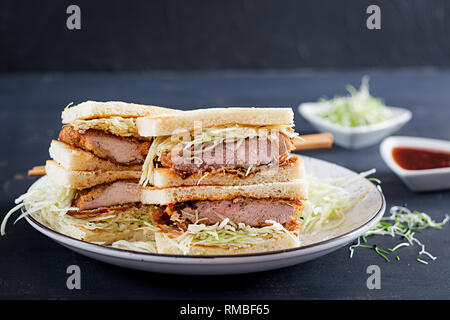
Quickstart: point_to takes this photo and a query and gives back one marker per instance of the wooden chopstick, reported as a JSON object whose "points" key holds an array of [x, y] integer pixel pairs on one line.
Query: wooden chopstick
{"points": [[37, 171], [305, 142], [313, 141]]}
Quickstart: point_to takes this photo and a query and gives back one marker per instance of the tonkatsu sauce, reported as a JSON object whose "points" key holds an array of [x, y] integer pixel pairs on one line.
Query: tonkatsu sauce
{"points": [[411, 158]]}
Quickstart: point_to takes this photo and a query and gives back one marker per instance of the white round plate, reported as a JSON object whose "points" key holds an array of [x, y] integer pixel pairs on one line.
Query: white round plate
{"points": [[358, 221]]}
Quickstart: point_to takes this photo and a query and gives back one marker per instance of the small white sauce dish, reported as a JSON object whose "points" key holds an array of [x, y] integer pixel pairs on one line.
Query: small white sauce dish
{"points": [[417, 180], [355, 137]]}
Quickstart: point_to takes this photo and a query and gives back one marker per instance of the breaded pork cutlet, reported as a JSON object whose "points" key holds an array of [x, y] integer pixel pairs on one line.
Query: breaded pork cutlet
{"points": [[121, 150], [108, 194]]}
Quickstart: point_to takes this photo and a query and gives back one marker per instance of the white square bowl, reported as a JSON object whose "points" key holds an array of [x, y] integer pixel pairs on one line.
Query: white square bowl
{"points": [[356, 137], [417, 180]]}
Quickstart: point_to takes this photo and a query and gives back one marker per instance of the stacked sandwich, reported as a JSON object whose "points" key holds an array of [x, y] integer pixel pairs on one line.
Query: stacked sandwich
{"points": [[96, 167], [200, 182], [223, 181]]}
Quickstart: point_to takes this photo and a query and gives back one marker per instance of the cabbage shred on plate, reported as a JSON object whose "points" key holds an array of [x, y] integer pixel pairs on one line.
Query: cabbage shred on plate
{"points": [[358, 109]]}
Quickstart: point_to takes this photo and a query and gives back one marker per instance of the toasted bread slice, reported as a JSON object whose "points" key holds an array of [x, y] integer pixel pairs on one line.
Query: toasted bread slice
{"points": [[76, 159], [281, 242], [86, 179], [292, 190], [93, 110], [291, 170], [163, 125]]}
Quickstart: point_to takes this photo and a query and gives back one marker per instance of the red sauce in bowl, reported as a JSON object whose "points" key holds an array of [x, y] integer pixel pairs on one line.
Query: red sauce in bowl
{"points": [[411, 158]]}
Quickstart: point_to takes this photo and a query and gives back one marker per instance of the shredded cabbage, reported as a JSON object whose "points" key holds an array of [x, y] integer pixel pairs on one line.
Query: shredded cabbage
{"points": [[358, 109], [205, 139], [116, 125], [227, 234], [404, 223], [46, 198], [328, 201]]}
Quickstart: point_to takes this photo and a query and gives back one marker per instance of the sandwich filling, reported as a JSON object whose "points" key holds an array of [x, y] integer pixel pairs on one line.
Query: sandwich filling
{"points": [[250, 154], [118, 149], [229, 224], [236, 149], [251, 212], [118, 126], [106, 195]]}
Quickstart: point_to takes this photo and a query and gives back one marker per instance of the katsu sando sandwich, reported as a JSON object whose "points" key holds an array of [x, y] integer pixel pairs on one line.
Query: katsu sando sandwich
{"points": [[108, 131], [223, 181], [98, 160], [227, 220], [220, 146]]}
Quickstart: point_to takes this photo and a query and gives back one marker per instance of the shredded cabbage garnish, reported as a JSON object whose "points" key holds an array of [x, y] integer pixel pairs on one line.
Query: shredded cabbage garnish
{"points": [[227, 234], [358, 109], [47, 198], [205, 139], [404, 223], [328, 201], [119, 126]]}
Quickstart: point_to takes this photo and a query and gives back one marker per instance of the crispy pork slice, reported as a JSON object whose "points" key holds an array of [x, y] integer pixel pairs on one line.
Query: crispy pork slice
{"points": [[106, 195], [252, 152], [121, 150], [252, 212]]}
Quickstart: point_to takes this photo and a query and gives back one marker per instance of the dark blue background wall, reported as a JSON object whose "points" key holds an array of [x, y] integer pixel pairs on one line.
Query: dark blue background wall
{"points": [[119, 35]]}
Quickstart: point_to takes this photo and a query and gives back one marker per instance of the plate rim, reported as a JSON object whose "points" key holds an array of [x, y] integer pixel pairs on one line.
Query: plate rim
{"points": [[149, 256]]}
